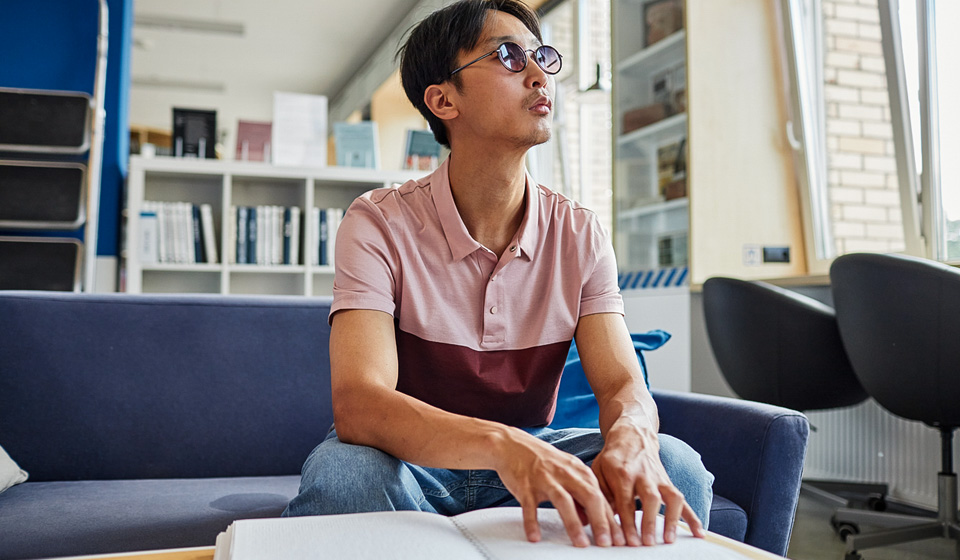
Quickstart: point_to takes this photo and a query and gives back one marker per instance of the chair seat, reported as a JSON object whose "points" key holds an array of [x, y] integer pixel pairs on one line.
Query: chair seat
{"points": [[728, 519]]}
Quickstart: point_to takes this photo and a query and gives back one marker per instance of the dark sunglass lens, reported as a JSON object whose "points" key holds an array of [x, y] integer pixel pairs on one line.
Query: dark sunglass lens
{"points": [[549, 59], [512, 57]]}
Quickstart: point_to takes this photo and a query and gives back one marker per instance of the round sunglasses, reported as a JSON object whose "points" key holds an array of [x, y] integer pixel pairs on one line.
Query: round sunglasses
{"points": [[514, 58]]}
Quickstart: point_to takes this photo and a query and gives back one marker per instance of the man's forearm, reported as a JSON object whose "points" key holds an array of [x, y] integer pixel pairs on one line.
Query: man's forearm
{"points": [[629, 403], [416, 432]]}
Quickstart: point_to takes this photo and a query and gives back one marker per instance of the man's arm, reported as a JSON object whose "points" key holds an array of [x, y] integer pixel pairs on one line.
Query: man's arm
{"points": [[368, 410], [629, 465]]}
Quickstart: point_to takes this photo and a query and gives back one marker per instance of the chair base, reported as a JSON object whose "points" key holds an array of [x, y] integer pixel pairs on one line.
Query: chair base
{"points": [[846, 494], [901, 528]]}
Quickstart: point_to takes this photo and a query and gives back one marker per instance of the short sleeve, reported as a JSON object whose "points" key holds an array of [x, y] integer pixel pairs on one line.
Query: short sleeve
{"points": [[366, 261], [601, 290]]}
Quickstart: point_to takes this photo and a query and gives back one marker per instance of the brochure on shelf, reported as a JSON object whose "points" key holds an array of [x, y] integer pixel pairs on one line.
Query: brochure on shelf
{"points": [[357, 144], [299, 129]]}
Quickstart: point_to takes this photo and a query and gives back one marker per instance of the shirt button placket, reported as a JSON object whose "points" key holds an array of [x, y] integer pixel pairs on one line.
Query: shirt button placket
{"points": [[493, 329]]}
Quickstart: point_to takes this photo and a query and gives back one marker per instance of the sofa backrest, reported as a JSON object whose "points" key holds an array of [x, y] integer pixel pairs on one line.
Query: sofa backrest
{"points": [[120, 386]]}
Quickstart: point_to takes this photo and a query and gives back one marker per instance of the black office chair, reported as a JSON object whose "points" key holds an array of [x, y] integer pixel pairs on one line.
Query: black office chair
{"points": [[899, 319], [783, 348]]}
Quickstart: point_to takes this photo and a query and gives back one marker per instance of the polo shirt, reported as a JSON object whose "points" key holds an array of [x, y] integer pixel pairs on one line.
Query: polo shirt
{"points": [[476, 335]]}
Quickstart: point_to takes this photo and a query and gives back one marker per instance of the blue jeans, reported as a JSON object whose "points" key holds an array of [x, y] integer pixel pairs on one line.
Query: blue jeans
{"points": [[342, 478]]}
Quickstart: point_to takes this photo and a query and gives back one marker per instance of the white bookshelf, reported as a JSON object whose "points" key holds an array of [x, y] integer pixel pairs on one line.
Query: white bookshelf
{"points": [[224, 184], [643, 219]]}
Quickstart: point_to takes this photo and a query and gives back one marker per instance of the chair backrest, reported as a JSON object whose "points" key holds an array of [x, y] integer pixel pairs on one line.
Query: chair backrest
{"points": [[900, 322], [777, 346]]}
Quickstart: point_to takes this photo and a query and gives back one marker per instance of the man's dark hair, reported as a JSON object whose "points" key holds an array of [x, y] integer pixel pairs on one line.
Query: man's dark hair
{"points": [[430, 53]]}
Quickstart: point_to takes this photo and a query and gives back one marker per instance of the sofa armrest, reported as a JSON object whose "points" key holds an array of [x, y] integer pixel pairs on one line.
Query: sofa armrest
{"points": [[754, 450]]}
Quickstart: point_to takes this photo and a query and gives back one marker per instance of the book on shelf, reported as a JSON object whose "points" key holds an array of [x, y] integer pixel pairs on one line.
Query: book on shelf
{"points": [[357, 144], [299, 132], [252, 235], [176, 233], [149, 229], [266, 235], [422, 151], [209, 237], [253, 140], [326, 222], [485, 534], [194, 133]]}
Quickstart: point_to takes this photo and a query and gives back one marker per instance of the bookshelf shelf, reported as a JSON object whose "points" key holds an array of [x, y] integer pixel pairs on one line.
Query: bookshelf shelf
{"points": [[670, 126], [227, 184], [656, 54], [182, 267], [653, 208]]}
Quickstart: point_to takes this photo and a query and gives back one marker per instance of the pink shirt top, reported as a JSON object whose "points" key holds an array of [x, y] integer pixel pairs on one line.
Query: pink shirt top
{"points": [[476, 335]]}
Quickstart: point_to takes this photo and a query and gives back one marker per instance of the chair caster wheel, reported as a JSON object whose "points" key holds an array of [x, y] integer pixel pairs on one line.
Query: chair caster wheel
{"points": [[852, 556], [844, 529], [877, 504]]}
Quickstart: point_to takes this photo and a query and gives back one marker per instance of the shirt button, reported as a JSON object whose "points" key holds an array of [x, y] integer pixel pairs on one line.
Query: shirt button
{"points": [[514, 248], [493, 310], [494, 277]]}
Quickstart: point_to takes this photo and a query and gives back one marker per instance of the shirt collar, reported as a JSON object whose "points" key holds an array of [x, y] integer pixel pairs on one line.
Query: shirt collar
{"points": [[459, 240]]}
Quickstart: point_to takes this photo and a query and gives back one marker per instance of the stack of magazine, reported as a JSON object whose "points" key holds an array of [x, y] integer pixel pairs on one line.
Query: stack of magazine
{"points": [[264, 235], [177, 233]]}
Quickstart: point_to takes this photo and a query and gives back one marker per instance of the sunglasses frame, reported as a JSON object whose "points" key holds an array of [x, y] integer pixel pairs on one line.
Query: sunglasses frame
{"points": [[496, 51]]}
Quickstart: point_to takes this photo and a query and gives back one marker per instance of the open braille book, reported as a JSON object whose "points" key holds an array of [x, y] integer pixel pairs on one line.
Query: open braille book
{"points": [[488, 534]]}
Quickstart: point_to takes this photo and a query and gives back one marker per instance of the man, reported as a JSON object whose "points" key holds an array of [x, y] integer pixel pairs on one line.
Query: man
{"points": [[455, 301]]}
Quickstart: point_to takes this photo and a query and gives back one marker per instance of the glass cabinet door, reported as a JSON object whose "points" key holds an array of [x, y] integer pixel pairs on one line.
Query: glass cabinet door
{"points": [[651, 221]]}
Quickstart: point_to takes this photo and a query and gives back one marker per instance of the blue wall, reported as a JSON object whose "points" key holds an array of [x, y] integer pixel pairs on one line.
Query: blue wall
{"points": [[52, 44]]}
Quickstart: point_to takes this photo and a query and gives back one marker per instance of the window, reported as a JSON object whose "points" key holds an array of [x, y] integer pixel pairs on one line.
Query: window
{"points": [[860, 68]]}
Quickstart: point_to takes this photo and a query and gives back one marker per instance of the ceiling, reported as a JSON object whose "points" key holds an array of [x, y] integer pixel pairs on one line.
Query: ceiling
{"points": [[310, 46]]}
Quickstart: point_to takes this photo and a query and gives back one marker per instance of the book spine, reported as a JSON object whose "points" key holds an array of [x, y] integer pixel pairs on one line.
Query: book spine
{"points": [[199, 255], [209, 237], [161, 232], [148, 234], [295, 235], [277, 235], [287, 233], [177, 231], [231, 231], [186, 233], [243, 217], [324, 232], [263, 235], [252, 235], [170, 232]]}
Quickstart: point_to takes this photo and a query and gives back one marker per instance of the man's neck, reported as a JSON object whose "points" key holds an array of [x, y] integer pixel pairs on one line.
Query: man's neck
{"points": [[488, 189]]}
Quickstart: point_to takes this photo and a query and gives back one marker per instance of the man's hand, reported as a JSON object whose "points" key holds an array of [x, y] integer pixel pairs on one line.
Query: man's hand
{"points": [[535, 472], [629, 467]]}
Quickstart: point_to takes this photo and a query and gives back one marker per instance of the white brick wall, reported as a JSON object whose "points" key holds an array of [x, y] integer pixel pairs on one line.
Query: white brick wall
{"points": [[864, 198]]}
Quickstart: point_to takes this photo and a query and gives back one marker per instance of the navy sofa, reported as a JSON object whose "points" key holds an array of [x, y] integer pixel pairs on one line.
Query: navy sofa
{"points": [[152, 422]]}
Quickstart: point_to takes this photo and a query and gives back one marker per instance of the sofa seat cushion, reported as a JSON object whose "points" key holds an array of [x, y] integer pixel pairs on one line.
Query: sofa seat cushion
{"points": [[727, 519], [43, 519]]}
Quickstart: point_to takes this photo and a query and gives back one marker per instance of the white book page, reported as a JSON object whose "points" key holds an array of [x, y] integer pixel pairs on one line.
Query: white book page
{"points": [[381, 535], [500, 530]]}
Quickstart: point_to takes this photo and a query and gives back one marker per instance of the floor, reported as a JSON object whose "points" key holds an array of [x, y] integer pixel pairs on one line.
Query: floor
{"points": [[814, 539]]}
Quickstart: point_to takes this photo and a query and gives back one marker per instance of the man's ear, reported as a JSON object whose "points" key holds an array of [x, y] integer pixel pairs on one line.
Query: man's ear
{"points": [[440, 100]]}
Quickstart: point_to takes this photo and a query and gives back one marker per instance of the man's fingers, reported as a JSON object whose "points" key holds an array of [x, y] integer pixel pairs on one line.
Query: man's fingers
{"points": [[564, 505], [693, 521], [675, 503], [530, 525], [650, 501]]}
